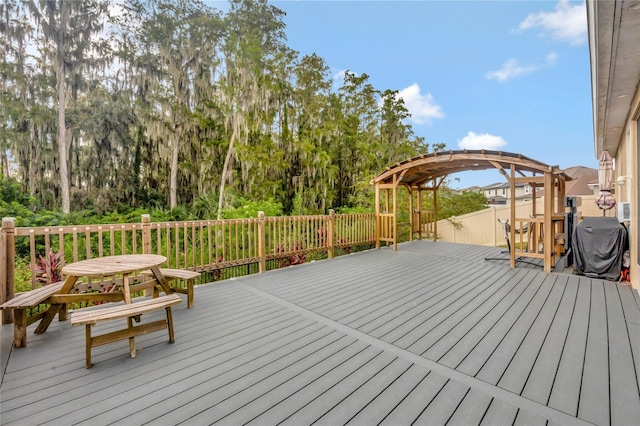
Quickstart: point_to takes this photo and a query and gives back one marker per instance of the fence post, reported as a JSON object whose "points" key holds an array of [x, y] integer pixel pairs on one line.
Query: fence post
{"points": [[330, 234], [262, 241], [7, 264], [146, 234]]}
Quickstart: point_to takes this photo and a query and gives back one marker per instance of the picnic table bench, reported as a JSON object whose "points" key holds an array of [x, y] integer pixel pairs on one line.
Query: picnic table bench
{"points": [[173, 275], [131, 311], [24, 301]]}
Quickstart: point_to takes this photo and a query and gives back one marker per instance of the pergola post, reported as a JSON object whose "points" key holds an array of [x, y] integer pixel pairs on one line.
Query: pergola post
{"points": [[378, 218], [548, 223], [435, 209], [395, 212], [419, 213], [411, 214], [512, 208]]}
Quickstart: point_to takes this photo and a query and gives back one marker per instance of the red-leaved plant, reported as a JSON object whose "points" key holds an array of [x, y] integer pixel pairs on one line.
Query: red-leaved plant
{"points": [[49, 268]]}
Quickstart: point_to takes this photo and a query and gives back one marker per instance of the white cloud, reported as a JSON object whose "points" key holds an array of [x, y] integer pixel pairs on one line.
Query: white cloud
{"points": [[512, 68], [338, 77], [423, 108], [481, 141], [566, 23]]}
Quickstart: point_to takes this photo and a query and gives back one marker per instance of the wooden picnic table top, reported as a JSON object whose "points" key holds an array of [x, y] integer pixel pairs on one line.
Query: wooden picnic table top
{"points": [[112, 265]]}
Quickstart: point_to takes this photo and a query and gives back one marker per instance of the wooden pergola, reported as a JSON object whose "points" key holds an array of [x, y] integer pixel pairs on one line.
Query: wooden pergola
{"points": [[426, 173]]}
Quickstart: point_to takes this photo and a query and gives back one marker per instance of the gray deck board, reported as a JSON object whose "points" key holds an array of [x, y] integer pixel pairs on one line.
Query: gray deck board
{"points": [[595, 376], [565, 392], [380, 319], [415, 402], [523, 359], [505, 350], [625, 405], [442, 407], [470, 340], [325, 384], [426, 319], [460, 330], [540, 381], [262, 394], [525, 418], [471, 410], [386, 401], [480, 353], [347, 409], [499, 414], [431, 334], [496, 289], [211, 387], [630, 309], [328, 401], [414, 285], [393, 325]]}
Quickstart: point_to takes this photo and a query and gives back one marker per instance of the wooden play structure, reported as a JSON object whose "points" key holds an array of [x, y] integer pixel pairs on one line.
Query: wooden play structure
{"points": [[424, 174]]}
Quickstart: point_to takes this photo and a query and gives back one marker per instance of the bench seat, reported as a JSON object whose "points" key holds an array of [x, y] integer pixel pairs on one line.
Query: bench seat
{"points": [[179, 274], [28, 300], [131, 311]]}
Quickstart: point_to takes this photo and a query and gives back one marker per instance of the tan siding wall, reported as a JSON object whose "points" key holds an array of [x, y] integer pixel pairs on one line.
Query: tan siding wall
{"points": [[627, 165]]}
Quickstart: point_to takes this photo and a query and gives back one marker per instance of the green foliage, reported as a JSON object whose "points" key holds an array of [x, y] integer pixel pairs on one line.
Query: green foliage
{"points": [[22, 275], [456, 204], [188, 112], [247, 209]]}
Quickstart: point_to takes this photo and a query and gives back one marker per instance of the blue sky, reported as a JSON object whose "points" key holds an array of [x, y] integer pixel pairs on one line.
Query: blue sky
{"points": [[509, 75], [506, 75]]}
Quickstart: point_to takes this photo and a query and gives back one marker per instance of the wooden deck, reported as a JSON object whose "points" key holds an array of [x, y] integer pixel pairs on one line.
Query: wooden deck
{"points": [[431, 334]]}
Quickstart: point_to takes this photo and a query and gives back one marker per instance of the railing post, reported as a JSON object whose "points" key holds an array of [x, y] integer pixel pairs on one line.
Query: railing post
{"points": [[7, 264], [146, 234], [262, 242], [330, 234]]}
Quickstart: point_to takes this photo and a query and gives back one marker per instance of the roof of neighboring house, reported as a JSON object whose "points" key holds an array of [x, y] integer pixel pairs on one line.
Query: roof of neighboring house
{"points": [[578, 171], [577, 186], [502, 185]]}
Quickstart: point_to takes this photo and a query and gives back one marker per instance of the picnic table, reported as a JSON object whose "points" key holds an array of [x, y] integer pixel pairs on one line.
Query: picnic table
{"points": [[123, 266], [126, 274]]}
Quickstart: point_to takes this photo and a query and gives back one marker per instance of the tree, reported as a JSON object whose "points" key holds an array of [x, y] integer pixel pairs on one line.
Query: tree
{"points": [[69, 27], [254, 41]]}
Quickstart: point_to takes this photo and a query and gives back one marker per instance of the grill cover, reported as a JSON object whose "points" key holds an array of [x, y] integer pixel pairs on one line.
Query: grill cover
{"points": [[598, 245]]}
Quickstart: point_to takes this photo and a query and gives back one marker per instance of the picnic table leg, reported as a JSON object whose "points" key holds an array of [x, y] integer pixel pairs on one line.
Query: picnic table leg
{"points": [[164, 283], [46, 320], [132, 343], [88, 344], [54, 309], [190, 296], [19, 328], [63, 313], [170, 324]]}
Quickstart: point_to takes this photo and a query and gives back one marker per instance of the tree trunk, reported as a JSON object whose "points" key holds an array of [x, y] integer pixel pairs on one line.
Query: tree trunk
{"points": [[62, 130], [225, 169], [173, 180]]}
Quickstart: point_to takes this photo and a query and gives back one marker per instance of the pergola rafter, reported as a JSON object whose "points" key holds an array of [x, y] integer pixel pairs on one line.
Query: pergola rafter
{"points": [[427, 172]]}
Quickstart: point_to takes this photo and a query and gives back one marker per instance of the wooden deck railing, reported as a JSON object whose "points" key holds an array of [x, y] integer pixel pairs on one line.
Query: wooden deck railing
{"points": [[202, 245], [424, 222]]}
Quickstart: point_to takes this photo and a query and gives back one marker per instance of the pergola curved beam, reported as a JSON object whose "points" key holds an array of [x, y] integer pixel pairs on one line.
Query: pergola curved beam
{"points": [[438, 164]]}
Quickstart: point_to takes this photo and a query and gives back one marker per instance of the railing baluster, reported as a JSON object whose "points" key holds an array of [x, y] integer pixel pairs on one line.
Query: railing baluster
{"points": [[87, 239], [32, 255], [75, 244]]}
